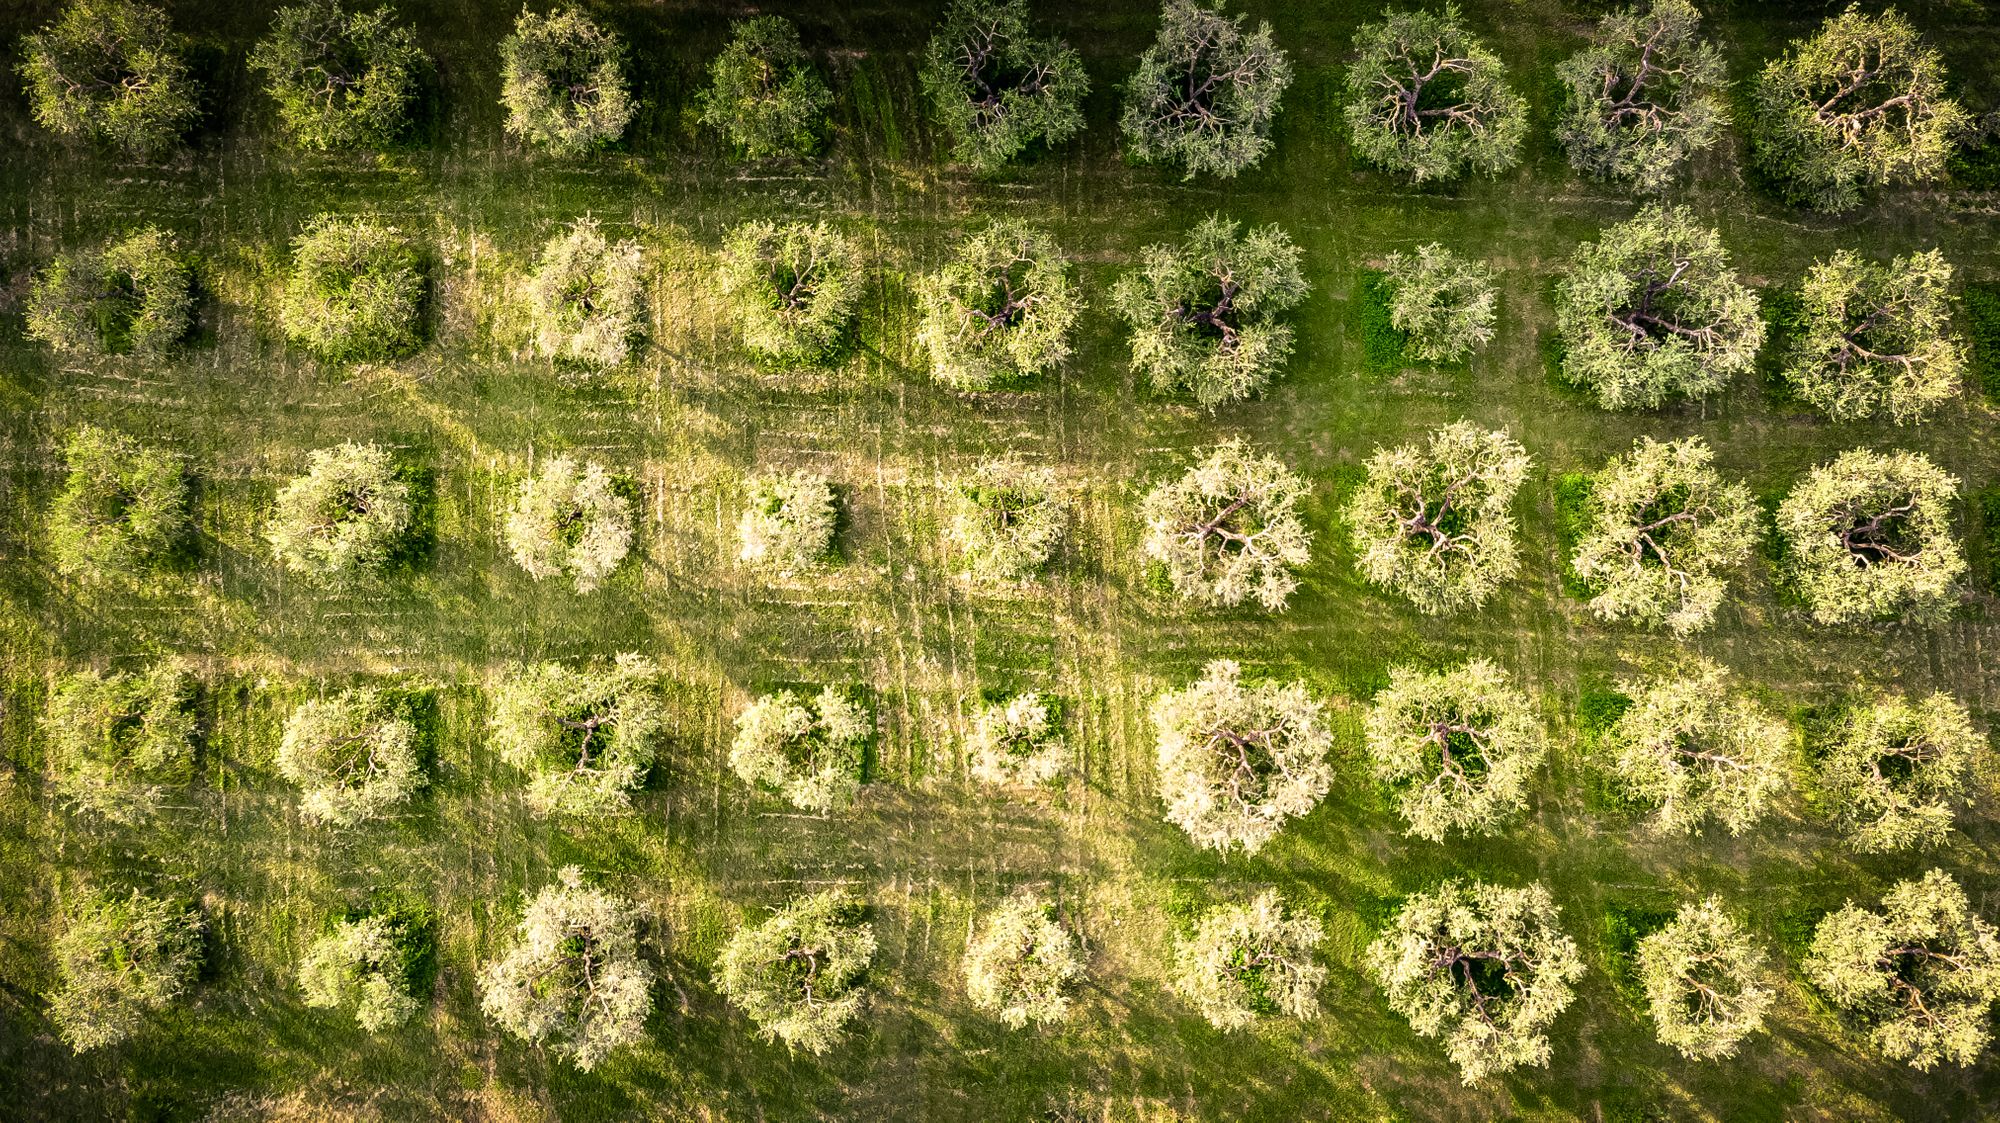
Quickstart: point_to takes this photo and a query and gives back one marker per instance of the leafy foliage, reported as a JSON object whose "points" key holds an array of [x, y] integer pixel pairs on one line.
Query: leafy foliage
{"points": [[355, 291], [809, 749], [763, 93], [570, 520], [1243, 962], [1644, 96], [1205, 93], [1460, 746], [788, 522], [1426, 99], [110, 71], [1430, 521], [1018, 741], [133, 295], [1875, 340], [573, 981], [1693, 749], [341, 79], [797, 974], [1229, 529], [1892, 769], [562, 82], [1704, 982], [354, 755], [1868, 536], [122, 510], [370, 962], [995, 88], [588, 297], [1237, 760], [1022, 963], [585, 735], [121, 959], [1000, 311], [1444, 304], [1007, 519], [346, 516], [118, 742], [795, 288]]}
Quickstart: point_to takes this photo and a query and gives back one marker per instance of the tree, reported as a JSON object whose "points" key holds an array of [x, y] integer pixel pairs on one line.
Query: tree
{"points": [[1482, 967], [373, 962], [1646, 95], [1007, 519], [788, 522], [1695, 750], [1459, 746], [1207, 315], [1920, 974], [1426, 99], [122, 510], [1891, 770], [1662, 531], [1237, 760], [585, 735], [763, 93], [1704, 982], [1868, 536], [355, 292], [995, 88], [588, 298], [348, 515], [110, 71], [1651, 312], [797, 975], [1018, 741], [119, 742], [1243, 962], [1430, 521], [570, 520], [1443, 303], [1875, 340], [1860, 104], [794, 287], [1229, 529], [132, 296], [562, 82], [1205, 93], [1000, 311], [354, 755], [573, 981], [807, 748], [1021, 964], [341, 79], [121, 959]]}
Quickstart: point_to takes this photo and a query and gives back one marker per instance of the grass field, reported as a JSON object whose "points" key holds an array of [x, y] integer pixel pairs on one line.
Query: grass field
{"points": [[925, 847]]}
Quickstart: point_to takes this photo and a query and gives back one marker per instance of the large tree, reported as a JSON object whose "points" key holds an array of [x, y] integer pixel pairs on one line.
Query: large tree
{"points": [[1430, 521], [1205, 93], [1426, 99], [355, 756], [119, 743], [1007, 518], [570, 520], [345, 518], [763, 93], [342, 79], [1662, 532], [1875, 340], [1694, 749], [121, 959], [788, 522], [794, 287], [1229, 529], [996, 88], [1018, 741], [1021, 963], [573, 981], [586, 736], [110, 71], [1652, 311], [1000, 311], [132, 296], [374, 961], [1244, 962], [1862, 103], [1445, 305], [123, 509], [1704, 979], [1920, 974], [355, 291], [588, 299], [1482, 967], [1459, 746], [1891, 769], [562, 82], [1237, 760], [806, 747], [1868, 536], [797, 974], [1646, 94]]}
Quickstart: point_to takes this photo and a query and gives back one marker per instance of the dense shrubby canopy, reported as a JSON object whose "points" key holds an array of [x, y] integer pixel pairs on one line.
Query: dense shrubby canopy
{"points": [[1229, 529], [110, 71], [573, 982], [1644, 96], [132, 296], [121, 958], [788, 522], [1000, 311], [1205, 93], [588, 298], [1018, 741], [1875, 340], [1445, 305], [586, 736], [1868, 537], [797, 974], [1695, 749], [355, 291], [1891, 769], [1459, 747], [354, 756], [372, 962], [1237, 760], [808, 748], [562, 82], [1022, 963], [1704, 982], [1244, 962], [570, 520], [1007, 518], [996, 88], [341, 79], [795, 288], [118, 743], [763, 93], [123, 508], [347, 516], [1430, 521], [1426, 99]]}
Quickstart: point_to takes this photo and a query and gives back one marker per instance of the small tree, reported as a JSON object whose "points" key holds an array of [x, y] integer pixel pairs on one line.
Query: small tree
{"points": [[1892, 769], [1662, 531], [1859, 104], [562, 82], [348, 515], [110, 71], [1482, 967], [1244, 962], [1651, 311], [1426, 99], [1868, 536], [118, 743], [1205, 93], [570, 520], [788, 522], [354, 756], [763, 93], [1207, 315], [797, 975], [1920, 974], [1018, 741], [588, 298], [121, 959], [1430, 521], [795, 288], [1021, 964], [1704, 982], [1000, 311], [586, 735], [573, 981], [1229, 529], [355, 292], [1236, 760], [995, 88], [1443, 303], [1695, 750], [1644, 96], [1007, 519], [341, 79], [371, 962], [1459, 746], [1874, 340], [132, 296], [122, 510], [808, 749]]}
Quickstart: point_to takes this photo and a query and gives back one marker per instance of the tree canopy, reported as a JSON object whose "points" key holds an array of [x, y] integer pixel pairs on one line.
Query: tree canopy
{"points": [[1868, 537], [1426, 99], [355, 292], [1445, 305], [586, 736], [1891, 770], [1021, 963], [797, 974], [808, 748], [1205, 93], [1237, 760], [346, 517], [132, 296], [1430, 521], [122, 511], [1694, 749], [341, 79], [794, 287], [355, 756], [763, 93], [588, 299], [1007, 518], [110, 71], [1644, 96], [1705, 982], [1248, 961], [562, 82], [121, 959], [1018, 741], [1000, 311], [996, 88], [1874, 340], [1459, 747], [118, 743], [570, 520], [372, 961], [573, 981], [788, 522], [1229, 529]]}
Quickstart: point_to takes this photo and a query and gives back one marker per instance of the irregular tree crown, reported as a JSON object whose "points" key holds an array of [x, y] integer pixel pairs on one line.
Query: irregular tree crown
{"points": [[1205, 93], [1426, 99]]}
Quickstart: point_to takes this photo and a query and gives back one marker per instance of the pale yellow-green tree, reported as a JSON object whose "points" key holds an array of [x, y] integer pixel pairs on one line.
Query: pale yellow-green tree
{"points": [[1430, 520], [1695, 750], [1705, 981], [1459, 747], [1249, 961], [572, 981], [1238, 760], [797, 973], [1022, 963]]}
